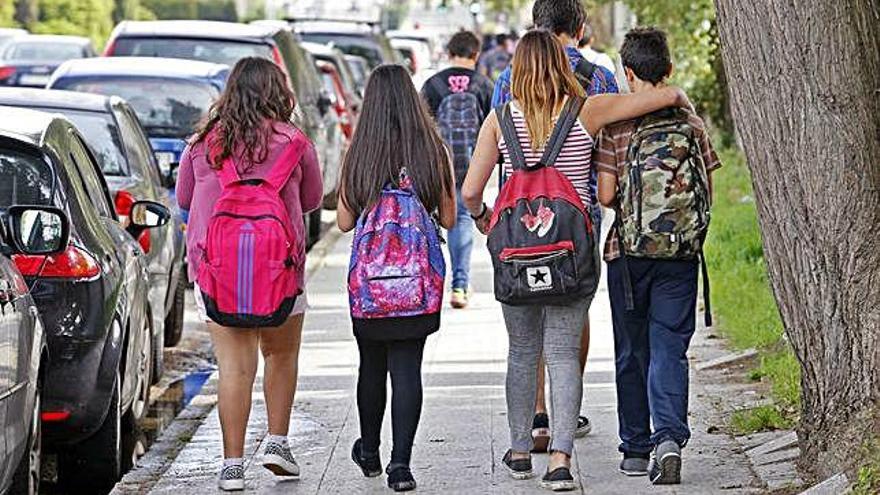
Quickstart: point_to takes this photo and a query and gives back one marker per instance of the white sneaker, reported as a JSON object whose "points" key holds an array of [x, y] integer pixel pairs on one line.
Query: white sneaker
{"points": [[232, 478], [278, 459]]}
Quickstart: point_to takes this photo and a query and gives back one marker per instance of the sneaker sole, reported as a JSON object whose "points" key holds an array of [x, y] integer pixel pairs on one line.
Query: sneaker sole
{"points": [[633, 474], [670, 470], [367, 472], [559, 486], [280, 466], [520, 475], [404, 487], [231, 485], [582, 432]]}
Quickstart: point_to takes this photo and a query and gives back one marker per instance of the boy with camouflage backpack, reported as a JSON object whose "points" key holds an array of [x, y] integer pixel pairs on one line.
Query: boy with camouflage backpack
{"points": [[655, 173]]}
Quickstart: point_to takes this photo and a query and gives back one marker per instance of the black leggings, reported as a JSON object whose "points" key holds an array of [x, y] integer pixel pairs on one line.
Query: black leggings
{"points": [[403, 358]]}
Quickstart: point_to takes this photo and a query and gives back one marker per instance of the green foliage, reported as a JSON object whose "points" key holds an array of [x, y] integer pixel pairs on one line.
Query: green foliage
{"points": [[868, 475], [7, 12], [216, 10], [761, 418], [91, 18]]}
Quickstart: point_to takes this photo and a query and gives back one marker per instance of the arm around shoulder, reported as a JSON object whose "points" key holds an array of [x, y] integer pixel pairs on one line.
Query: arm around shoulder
{"points": [[604, 109]]}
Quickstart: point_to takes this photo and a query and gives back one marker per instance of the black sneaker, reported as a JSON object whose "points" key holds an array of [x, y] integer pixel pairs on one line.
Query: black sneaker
{"points": [[634, 465], [665, 465], [584, 427], [541, 433], [519, 469], [370, 465], [559, 480], [400, 479]]}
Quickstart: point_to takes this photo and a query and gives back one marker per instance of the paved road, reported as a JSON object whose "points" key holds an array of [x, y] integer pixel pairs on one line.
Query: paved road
{"points": [[463, 432]]}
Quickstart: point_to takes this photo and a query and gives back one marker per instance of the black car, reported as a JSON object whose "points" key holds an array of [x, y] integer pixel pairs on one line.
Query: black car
{"points": [[30, 60], [92, 297], [28, 231], [116, 137], [227, 43], [353, 38]]}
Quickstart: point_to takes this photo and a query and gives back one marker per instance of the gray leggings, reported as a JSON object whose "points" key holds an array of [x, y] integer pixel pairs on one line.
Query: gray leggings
{"points": [[555, 330]]}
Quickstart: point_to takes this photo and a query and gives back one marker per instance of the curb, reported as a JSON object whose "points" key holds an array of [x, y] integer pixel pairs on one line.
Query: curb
{"points": [[164, 451]]}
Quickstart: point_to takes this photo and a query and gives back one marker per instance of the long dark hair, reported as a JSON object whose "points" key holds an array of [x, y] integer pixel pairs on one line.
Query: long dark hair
{"points": [[242, 120], [395, 130]]}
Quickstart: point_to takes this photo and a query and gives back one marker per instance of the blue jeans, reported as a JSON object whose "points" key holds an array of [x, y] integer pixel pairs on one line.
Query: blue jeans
{"points": [[461, 242], [650, 344]]}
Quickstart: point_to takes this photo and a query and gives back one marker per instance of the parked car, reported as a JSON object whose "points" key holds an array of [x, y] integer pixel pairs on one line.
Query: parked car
{"points": [[7, 34], [92, 297], [340, 62], [360, 69], [32, 231], [30, 60], [353, 38], [169, 96], [421, 43], [223, 42], [118, 141]]}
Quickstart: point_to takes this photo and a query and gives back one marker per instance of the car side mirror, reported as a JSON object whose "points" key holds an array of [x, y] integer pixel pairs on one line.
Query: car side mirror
{"points": [[324, 104], [146, 215], [38, 230]]}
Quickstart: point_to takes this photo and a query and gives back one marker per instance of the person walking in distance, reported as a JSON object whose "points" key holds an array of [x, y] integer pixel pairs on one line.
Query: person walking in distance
{"points": [[566, 19], [459, 98], [397, 179], [540, 235], [247, 178]]}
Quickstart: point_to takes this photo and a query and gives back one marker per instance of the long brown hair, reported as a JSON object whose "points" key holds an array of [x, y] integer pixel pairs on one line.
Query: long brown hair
{"points": [[542, 78], [242, 120], [395, 130]]}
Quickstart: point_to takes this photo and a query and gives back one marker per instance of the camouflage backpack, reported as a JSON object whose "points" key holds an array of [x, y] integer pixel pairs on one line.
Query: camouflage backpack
{"points": [[664, 190], [663, 195]]}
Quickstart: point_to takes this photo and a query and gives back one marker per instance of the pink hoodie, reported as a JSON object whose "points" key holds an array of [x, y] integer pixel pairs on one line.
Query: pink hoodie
{"points": [[198, 188]]}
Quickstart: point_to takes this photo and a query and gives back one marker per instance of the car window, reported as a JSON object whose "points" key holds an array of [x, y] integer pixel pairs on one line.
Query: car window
{"points": [[103, 137], [25, 178], [329, 86], [165, 107], [207, 50], [42, 51], [139, 151], [360, 46], [95, 188]]}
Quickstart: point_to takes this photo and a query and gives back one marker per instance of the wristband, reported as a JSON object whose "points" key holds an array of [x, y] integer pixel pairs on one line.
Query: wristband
{"points": [[482, 213]]}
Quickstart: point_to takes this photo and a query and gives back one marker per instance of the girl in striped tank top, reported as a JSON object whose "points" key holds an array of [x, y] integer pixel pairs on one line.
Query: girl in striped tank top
{"points": [[542, 82]]}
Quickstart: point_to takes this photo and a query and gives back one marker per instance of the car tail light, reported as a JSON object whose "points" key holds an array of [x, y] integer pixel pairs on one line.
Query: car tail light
{"points": [[345, 123], [54, 416], [6, 72], [109, 49], [124, 201], [73, 263]]}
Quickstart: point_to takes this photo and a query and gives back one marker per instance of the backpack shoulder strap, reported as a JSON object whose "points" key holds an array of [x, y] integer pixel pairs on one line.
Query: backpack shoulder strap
{"points": [[228, 174], [511, 139], [440, 86], [584, 72], [286, 162], [564, 123]]}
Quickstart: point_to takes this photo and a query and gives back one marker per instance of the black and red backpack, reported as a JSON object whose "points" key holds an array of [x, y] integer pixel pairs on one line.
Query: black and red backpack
{"points": [[540, 235]]}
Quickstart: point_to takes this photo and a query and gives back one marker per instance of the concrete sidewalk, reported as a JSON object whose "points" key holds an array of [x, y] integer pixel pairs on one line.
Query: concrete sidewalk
{"points": [[463, 432]]}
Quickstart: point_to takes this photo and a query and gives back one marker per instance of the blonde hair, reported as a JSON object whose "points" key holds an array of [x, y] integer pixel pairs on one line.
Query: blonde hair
{"points": [[541, 79]]}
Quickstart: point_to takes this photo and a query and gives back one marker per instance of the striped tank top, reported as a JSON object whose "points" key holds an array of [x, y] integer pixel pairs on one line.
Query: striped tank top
{"points": [[575, 159]]}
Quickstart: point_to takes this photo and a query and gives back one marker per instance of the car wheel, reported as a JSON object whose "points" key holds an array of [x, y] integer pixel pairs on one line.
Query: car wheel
{"points": [[174, 320], [141, 403], [26, 480], [95, 464], [158, 355]]}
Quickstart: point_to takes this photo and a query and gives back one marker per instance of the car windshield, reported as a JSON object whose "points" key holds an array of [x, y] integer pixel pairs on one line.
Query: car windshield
{"points": [[102, 135], [352, 45], [42, 51], [165, 107], [217, 51], [25, 179]]}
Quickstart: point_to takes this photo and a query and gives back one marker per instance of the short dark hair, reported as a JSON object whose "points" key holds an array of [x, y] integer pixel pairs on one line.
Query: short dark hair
{"points": [[463, 44], [501, 39], [645, 51], [559, 16]]}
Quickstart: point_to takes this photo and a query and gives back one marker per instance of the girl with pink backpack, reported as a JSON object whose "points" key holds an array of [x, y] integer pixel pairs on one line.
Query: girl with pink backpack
{"points": [[396, 180], [248, 178]]}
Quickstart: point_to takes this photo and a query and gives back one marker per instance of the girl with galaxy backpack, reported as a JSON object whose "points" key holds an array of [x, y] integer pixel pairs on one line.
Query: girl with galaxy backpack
{"points": [[397, 181]]}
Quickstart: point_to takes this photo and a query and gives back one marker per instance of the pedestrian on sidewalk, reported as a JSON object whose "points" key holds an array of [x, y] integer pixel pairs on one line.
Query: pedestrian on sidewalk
{"points": [[546, 91], [247, 149], [653, 252], [566, 19], [459, 98], [397, 179]]}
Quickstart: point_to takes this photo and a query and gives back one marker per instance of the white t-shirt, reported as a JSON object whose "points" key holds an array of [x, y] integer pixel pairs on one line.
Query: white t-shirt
{"points": [[597, 58]]}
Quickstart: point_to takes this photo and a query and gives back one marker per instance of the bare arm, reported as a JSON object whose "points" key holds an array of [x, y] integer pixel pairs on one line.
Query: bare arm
{"points": [[604, 109], [448, 204], [345, 218], [607, 189], [482, 163]]}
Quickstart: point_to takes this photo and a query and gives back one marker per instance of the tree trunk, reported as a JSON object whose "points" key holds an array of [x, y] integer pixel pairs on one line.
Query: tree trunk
{"points": [[803, 79], [26, 12]]}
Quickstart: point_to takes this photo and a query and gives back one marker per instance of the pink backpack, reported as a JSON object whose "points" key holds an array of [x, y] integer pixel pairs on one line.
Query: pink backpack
{"points": [[248, 277]]}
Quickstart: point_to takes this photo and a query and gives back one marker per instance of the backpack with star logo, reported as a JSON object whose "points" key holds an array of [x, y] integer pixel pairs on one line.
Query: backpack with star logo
{"points": [[540, 235]]}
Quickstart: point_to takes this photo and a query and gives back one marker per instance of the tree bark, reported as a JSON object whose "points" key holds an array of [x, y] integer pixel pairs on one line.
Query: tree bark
{"points": [[803, 79], [26, 12]]}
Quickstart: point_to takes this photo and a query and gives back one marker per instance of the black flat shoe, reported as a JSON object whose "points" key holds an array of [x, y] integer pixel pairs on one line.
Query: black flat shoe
{"points": [[559, 480], [400, 479], [371, 466]]}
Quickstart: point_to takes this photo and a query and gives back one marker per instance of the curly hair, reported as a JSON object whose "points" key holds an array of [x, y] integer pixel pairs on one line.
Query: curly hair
{"points": [[257, 95]]}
